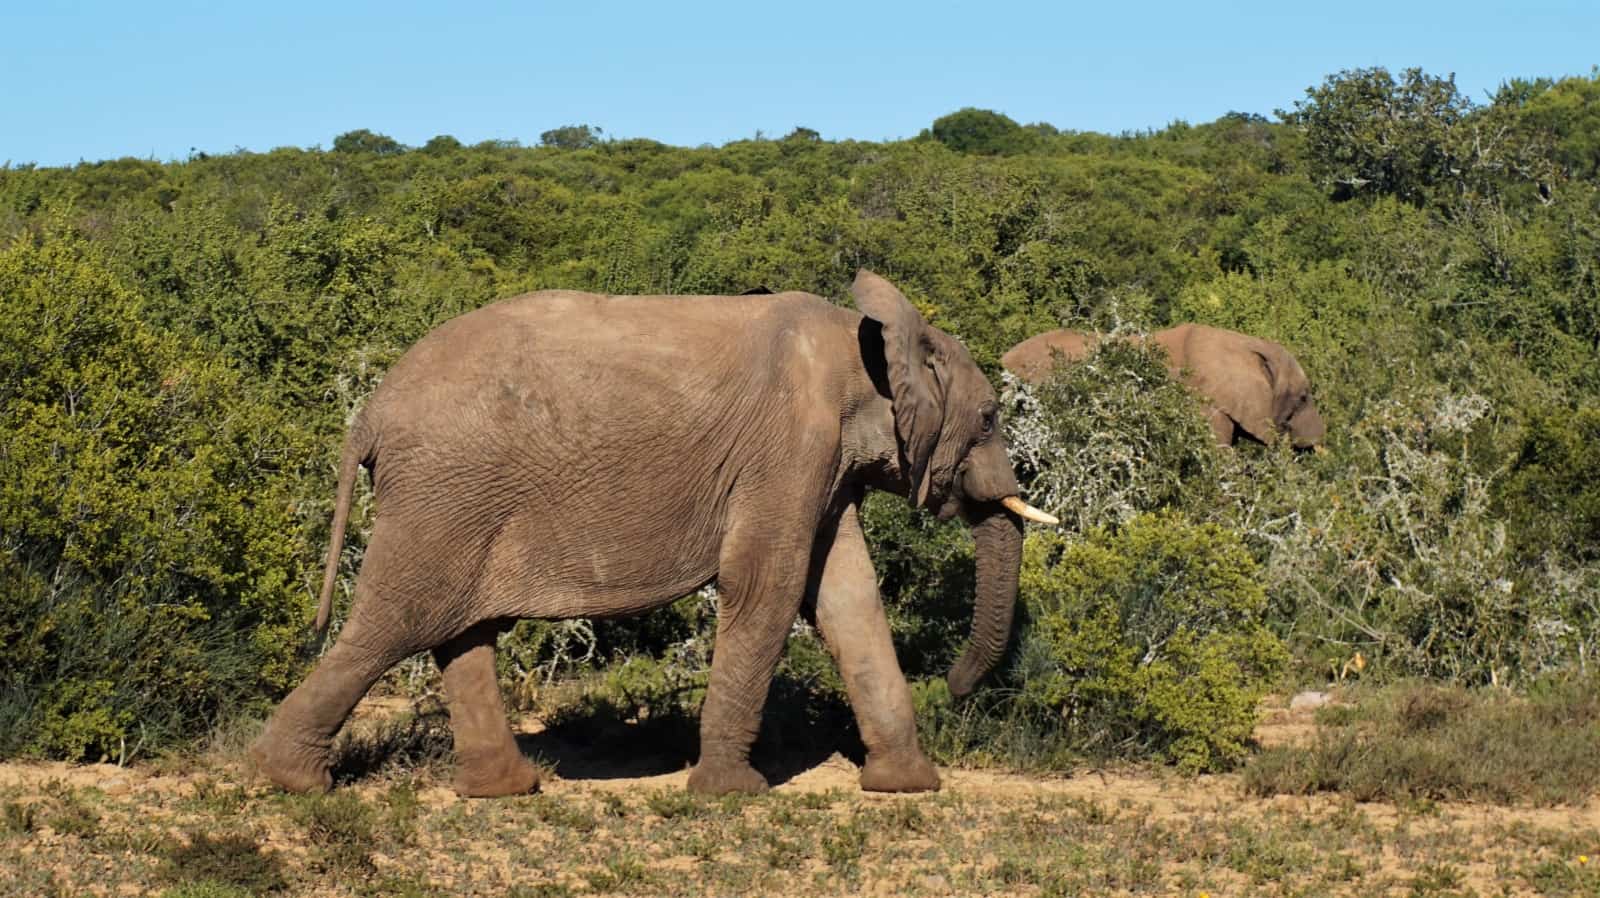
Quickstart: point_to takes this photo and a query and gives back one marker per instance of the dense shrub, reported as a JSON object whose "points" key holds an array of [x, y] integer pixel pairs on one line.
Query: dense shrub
{"points": [[148, 520], [1106, 438], [168, 431], [1149, 637], [1147, 640], [1407, 561], [1551, 494]]}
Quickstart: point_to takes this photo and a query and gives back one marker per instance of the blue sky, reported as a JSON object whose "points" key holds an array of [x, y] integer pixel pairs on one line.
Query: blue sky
{"points": [[102, 80]]}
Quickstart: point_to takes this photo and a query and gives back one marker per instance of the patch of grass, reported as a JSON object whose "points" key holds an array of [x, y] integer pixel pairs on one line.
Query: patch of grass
{"points": [[19, 817], [403, 808], [842, 848], [612, 805], [552, 889], [622, 873], [1421, 742], [342, 826], [207, 889], [222, 864], [218, 799], [564, 814], [71, 814], [670, 804]]}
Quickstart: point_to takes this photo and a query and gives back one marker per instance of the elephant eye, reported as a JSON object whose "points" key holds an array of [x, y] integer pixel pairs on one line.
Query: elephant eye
{"points": [[989, 416]]}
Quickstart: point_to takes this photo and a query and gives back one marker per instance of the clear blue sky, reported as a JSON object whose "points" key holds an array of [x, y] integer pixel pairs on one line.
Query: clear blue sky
{"points": [[97, 80]]}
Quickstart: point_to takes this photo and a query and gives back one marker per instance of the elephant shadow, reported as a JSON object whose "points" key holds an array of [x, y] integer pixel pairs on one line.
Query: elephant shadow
{"points": [[604, 748]]}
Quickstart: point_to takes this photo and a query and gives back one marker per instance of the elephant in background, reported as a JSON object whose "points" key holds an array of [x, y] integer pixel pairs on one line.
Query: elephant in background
{"points": [[565, 454], [1253, 385]]}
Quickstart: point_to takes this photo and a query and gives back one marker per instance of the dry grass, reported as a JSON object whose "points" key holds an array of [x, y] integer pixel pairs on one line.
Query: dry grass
{"points": [[1428, 742], [216, 833], [209, 829]]}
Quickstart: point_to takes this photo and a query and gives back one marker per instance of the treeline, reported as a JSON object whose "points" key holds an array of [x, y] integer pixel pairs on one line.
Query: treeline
{"points": [[183, 342]]}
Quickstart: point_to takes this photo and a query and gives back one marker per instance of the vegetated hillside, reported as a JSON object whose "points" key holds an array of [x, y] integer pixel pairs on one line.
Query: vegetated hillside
{"points": [[182, 343]]}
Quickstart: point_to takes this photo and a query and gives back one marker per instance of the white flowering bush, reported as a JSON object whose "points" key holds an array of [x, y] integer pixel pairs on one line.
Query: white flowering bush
{"points": [[1396, 551], [1108, 437]]}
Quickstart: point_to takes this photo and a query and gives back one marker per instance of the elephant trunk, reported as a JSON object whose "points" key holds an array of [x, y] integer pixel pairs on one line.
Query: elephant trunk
{"points": [[998, 541], [1306, 428]]}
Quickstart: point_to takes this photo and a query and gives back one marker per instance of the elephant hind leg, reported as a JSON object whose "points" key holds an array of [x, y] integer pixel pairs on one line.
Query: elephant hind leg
{"points": [[488, 761], [295, 749]]}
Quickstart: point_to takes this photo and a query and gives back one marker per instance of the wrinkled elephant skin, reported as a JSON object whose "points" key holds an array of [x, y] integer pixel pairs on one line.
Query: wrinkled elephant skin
{"points": [[562, 455]]}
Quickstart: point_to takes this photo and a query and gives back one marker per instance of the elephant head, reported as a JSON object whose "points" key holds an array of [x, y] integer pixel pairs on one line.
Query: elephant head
{"points": [[952, 457], [1255, 383]]}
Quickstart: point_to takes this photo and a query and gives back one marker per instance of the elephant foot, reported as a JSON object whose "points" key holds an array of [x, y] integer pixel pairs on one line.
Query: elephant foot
{"points": [[495, 776], [293, 768], [901, 772], [724, 777]]}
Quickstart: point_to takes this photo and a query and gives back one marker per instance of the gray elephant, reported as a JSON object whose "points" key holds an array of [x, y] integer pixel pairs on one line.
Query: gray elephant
{"points": [[1253, 385], [566, 454]]}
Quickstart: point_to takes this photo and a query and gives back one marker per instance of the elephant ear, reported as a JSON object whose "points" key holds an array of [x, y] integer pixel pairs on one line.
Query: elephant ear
{"points": [[915, 370], [1244, 388]]}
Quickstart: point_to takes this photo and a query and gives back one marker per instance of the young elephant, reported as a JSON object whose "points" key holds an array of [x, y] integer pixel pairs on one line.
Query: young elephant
{"points": [[565, 454], [1253, 385]]}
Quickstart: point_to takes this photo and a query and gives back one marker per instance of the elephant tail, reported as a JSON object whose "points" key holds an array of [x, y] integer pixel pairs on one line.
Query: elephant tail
{"points": [[359, 447]]}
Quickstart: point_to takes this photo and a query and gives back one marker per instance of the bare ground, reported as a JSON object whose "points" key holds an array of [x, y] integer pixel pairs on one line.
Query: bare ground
{"points": [[208, 827]]}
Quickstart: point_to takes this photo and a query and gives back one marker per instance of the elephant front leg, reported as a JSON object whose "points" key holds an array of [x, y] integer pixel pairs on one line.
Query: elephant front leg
{"points": [[851, 618], [760, 583], [488, 762]]}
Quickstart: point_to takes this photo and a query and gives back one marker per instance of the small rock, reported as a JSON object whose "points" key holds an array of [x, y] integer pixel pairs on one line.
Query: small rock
{"points": [[1308, 701]]}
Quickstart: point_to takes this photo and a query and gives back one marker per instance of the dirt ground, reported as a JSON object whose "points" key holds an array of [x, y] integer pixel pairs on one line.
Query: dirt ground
{"points": [[209, 827]]}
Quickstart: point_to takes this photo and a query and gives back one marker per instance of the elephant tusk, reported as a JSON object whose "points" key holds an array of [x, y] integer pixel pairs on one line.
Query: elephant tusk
{"points": [[1027, 512]]}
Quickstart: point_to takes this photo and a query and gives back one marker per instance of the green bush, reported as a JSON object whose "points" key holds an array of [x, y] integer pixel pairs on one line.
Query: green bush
{"points": [[150, 544], [1551, 495], [1149, 637], [1146, 641]]}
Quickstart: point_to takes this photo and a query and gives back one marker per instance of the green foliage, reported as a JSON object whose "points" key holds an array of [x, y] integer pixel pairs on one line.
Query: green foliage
{"points": [[1408, 561], [981, 132], [1551, 495], [1150, 639], [148, 517], [363, 141], [571, 137], [1368, 132], [1568, 110], [192, 337], [227, 864], [1145, 641]]}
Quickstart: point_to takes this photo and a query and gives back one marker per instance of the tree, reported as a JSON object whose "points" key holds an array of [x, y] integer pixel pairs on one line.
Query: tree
{"points": [[571, 137], [1368, 134], [442, 143], [981, 132], [363, 141]]}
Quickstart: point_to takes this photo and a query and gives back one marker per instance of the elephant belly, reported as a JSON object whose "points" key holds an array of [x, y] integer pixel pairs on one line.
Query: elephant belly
{"points": [[628, 567]]}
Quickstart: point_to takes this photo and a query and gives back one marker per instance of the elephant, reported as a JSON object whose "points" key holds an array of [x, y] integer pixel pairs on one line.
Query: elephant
{"points": [[564, 454], [1253, 385]]}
